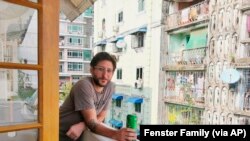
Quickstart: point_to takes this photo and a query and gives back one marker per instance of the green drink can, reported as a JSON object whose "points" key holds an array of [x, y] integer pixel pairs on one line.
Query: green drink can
{"points": [[131, 121]]}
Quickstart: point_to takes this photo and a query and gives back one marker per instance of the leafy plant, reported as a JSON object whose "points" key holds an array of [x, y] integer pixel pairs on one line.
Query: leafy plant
{"points": [[65, 90]]}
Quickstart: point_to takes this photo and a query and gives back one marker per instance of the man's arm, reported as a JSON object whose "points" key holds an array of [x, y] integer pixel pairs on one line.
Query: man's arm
{"points": [[76, 130], [92, 122], [101, 116]]}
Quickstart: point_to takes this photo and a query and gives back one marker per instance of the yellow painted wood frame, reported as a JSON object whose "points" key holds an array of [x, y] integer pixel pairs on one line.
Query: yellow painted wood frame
{"points": [[48, 70]]}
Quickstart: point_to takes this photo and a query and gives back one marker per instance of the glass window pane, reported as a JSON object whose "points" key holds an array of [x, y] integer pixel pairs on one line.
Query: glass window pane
{"points": [[89, 12], [24, 135], [18, 34], [18, 96], [87, 54]]}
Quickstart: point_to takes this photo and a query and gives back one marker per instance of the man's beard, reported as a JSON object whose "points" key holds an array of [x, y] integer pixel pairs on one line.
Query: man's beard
{"points": [[96, 81]]}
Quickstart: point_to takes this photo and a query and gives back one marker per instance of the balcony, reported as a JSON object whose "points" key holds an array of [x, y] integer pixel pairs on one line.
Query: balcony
{"points": [[187, 59], [193, 102], [192, 15], [243, 55], [185, 88], [242, 113]]}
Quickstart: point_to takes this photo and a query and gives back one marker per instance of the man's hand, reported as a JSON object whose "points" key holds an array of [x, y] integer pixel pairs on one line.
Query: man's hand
{"points": [[94, 124], [76, 130], [125, 134]]}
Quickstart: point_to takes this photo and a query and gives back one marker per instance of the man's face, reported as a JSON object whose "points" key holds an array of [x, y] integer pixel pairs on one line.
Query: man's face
{"points": [[102, 73]]}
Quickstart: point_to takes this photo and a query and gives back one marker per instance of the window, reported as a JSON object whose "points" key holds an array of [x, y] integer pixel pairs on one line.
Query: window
{"points": [[138, 107], [61, 67], [140, 37], [75, 54], [75, 66], [87, 55], [89, 12], [74, 28], [141, 5], [120, 17], [8, 53], [30, 74], [73, 40], [119, 74], [138, 40], [103, 25], [60, 54], [139, 73], [118, 102]]}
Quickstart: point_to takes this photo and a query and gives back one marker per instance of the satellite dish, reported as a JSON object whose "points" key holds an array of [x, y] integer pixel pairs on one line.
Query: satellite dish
{"points": [[121, 43], [230, 76]]}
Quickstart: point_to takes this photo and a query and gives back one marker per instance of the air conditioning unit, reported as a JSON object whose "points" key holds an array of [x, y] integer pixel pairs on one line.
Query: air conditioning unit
{"points": [[116, 28], [139, 84]]}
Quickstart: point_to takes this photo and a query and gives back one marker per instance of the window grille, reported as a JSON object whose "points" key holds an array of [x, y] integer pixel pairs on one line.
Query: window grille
{"points": [[138, 107], [185, 86], [243, 88]]}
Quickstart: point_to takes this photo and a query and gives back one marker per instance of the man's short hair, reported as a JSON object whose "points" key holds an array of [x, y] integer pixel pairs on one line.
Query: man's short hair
{"points": [[100, 56]]}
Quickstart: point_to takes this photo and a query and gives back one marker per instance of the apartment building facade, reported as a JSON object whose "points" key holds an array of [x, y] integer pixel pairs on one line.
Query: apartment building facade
{"points": [[227, 100], [184, 91], [132, 31], [186, 63], [207, 74], [75, 44]]}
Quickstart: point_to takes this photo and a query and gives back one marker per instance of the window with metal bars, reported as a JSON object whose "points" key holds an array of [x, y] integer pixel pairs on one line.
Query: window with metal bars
{"points": [[243, 88], [138, 107], [120, 17], [118, 102], [139, 73], [119, 74]]}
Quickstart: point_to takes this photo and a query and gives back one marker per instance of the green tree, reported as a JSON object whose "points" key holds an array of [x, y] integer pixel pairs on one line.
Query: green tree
{"points": [[65, 90]]}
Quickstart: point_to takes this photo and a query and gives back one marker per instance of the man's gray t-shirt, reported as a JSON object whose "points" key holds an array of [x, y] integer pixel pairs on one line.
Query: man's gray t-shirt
{"points": [[83, 96]]}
